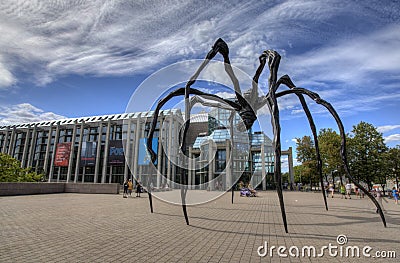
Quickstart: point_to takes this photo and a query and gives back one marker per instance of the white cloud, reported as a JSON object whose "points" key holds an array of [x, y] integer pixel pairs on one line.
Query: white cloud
{"points": [[6, 77], [347, 52], [25, 113], [392, 138], [387, 128]]}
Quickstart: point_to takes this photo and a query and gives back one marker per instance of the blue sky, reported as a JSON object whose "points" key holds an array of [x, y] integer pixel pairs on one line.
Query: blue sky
{"points": [[81, 58]]}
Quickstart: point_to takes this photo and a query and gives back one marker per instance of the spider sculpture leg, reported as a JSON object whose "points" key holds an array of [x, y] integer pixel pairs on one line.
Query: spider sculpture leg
{"points": [[273, 63], [219, 47], [230, 163], [179, 92], [242, 106], [288, 82], [343, 153]]}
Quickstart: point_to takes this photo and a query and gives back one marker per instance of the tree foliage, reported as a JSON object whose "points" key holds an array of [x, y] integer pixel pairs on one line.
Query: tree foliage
{"points": [[301, 174], [369, 159], [305, 148], [11, 171], [393, 163], [329, 145], [366, 154]]}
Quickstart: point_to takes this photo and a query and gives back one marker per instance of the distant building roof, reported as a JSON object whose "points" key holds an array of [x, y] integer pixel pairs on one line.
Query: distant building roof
{"points": [[197, 117], [112, 117]]}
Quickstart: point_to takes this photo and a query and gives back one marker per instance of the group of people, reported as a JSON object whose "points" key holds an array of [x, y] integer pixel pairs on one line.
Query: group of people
{"points": [[344, 189], [128, 188], [248, 190]]}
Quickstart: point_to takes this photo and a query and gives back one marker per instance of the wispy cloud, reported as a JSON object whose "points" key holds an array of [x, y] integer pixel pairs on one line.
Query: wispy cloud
{"points": [[387, 128], [354, 61], [392, 138], [46, 40], [25, 113]]}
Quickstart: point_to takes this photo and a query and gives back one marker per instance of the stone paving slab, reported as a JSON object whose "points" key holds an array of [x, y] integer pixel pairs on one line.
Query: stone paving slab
{"points": [[108, 228]]}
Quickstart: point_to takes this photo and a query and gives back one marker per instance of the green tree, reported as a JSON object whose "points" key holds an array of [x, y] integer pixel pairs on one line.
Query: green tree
{"points": [[366, 153], [393, 164], [301, 174], [11, 171], [305, 149], [329, 145]]}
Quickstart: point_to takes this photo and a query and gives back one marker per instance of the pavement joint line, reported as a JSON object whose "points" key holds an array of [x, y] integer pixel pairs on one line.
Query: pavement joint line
{"points": [[96, 228]]}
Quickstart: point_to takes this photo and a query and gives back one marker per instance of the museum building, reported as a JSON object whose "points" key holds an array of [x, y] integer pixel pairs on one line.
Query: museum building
{"points": [[111, 148]]}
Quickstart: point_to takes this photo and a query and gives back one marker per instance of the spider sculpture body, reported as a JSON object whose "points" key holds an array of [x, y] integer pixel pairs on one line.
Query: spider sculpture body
{"points": [[246, 105]]}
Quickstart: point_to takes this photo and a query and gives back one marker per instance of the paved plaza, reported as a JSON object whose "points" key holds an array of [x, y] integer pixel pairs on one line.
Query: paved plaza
{"points": [[109, 228]]}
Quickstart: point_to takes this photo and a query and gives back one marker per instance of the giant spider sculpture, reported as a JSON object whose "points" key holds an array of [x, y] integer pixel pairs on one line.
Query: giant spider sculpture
{"points": [[247, 105]]}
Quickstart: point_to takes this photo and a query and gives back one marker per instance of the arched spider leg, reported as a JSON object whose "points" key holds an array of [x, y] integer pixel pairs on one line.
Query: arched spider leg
{"points": [[273, 64], [160, 104], [175, 93], [343, 153], [288, 82], [219, 47], [230, 163], [205, 102]]}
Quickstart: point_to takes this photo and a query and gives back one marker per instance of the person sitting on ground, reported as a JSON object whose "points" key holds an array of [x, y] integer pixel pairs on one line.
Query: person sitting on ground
{"points": [[245, 192], [253, 193]]}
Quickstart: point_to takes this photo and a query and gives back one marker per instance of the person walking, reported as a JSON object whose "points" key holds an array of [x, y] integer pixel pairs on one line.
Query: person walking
{"points": [[348, 190], [138, 189], [360, 193], [130, 187], [125, 195], [331, 189], [395, 195], [343, 191]]}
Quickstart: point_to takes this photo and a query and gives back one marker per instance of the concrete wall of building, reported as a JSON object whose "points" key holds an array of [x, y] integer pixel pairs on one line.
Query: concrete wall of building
{"points": [[30, 188], [112, 188], [7, 189]]}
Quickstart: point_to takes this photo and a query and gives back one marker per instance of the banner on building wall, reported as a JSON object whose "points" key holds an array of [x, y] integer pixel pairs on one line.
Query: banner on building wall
{"points": [[144, 157], [116, 153], [63, 152], [88, 154]]}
